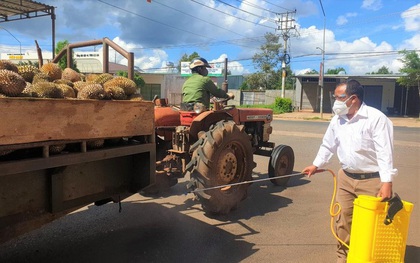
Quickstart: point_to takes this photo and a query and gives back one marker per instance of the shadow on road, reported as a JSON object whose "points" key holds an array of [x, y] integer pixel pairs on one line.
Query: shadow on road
{"points": [[412, 254], [142, 232]]}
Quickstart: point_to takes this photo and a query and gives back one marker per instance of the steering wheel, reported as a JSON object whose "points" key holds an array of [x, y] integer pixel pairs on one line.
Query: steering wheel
{"points": [[219, 103]]}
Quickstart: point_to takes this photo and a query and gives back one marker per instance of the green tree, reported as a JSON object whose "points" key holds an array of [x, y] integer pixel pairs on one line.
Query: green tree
{"points": [[381, 70], [268, 62], [411, 69], [312, 71], [137, 78], [335, 71], [187, 58], [63, 61]]}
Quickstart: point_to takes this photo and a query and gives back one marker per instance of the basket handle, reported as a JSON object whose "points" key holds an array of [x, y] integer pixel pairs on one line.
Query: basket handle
{"points": [[395, 205]]}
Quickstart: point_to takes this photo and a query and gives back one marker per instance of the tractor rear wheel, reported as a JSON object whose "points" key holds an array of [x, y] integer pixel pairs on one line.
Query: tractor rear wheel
{"points": [[222, 155], [281, 163]]}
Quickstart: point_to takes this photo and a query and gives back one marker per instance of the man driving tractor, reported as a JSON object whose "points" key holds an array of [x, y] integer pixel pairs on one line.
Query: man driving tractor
{"points": [[199, 86]]}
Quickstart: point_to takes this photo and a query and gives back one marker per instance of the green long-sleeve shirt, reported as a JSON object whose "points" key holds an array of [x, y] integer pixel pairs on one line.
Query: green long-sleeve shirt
{"points": [[198, 88]]}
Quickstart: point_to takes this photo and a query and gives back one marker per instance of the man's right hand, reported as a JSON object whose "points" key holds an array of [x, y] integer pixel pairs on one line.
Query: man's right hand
{"points": [[231, 95], [310, 170]]}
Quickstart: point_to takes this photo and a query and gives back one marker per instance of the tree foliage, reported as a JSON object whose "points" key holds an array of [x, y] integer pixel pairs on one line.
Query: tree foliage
{"points": [[137, 78], [187, 58], [312, 71], [62, 63], [335, 71], [411, 69], [382, 70], [268, 63]]}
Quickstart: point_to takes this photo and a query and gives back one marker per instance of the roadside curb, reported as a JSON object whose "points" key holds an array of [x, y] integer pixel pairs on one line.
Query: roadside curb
{"points": [[311, 116]]}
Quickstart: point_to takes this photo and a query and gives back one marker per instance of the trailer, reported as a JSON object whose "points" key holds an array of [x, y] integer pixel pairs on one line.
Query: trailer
{"points": [[39, 183]]}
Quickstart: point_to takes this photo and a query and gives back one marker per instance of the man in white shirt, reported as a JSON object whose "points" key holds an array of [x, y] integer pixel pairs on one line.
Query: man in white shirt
{"points": [[362, 138]]}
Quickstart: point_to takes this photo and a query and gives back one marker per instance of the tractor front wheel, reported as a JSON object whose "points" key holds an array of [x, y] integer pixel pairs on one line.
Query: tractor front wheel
{"points": [[281, 163], [223, 155]]}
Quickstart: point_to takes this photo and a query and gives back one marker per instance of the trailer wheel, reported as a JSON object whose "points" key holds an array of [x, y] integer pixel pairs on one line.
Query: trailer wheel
{"points": [[223, 155], [281, 162]]}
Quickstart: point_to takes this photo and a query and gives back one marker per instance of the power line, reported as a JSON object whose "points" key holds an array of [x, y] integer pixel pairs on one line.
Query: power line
{"points": [[232, 15], [255, 6], [185, 13], [279, 6], [235, 7], [150, 19]]}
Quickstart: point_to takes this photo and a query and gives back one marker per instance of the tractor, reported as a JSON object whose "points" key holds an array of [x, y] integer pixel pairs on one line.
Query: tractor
{"points": [[215, 148]]}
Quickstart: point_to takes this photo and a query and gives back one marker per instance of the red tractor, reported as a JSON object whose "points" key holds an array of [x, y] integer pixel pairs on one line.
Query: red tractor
{"points": [[215, 148]]}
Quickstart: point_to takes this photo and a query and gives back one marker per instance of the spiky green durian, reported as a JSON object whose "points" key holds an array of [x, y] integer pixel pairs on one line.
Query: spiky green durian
{"points": [[91, 91], [40, 77], [68, 92], [52, 70], [95, 144], [115, 93], [6, 64], [136, 97], [54, 149], [46, 90], [11, 83], [71, 74], [126, 84], [28, 72], [102, 78]]}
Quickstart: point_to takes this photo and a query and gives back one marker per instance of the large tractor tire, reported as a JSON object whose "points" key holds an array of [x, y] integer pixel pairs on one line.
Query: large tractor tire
{"points": [[281, 163], [223, 155]]}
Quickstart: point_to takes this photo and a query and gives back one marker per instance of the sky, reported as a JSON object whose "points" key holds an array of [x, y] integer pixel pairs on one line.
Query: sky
{"points": [[361, 36]]}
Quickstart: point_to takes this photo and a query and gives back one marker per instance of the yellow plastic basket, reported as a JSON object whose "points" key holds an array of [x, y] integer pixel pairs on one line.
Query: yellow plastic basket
{"points": [[373, 241]]}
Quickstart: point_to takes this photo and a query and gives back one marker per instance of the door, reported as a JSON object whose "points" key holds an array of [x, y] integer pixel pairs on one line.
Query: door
{"points": [[373, 96]]}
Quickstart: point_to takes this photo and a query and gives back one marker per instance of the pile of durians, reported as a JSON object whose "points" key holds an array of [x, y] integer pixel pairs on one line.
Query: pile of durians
{"points": [[50, 81]]}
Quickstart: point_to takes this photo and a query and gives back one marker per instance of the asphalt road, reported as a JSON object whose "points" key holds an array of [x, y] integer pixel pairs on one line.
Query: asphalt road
{"points": [[274, 224]]}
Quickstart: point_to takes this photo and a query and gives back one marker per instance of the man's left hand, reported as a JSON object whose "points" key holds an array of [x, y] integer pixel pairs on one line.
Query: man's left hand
{"points": [[386, 191]]}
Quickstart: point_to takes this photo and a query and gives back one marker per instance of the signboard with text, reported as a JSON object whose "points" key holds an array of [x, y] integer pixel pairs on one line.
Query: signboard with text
{"points": [[215, 70]]}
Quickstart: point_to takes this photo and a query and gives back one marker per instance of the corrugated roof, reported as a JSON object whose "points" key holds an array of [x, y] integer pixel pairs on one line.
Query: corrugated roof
{"points": [[22, 9]]}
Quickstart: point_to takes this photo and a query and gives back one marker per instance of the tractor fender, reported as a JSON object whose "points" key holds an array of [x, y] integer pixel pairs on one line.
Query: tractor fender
{"points": [[203, 121]]}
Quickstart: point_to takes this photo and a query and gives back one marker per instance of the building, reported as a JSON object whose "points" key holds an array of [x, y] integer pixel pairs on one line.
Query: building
{"points": [[86, 61], [381, 91]]}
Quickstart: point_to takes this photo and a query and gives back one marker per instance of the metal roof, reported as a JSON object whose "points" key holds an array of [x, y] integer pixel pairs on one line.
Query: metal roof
{"points": [[11, 10]]}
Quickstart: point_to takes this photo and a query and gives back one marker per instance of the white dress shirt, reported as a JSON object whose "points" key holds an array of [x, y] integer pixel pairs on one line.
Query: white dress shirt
{"points": [[364, 144]]}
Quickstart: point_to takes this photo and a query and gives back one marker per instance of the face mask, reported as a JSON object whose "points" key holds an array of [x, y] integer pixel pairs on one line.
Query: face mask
{"points": [[340, 107]]}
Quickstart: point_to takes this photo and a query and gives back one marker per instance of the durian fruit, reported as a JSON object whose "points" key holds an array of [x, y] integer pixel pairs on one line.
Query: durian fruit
{"points": [[68, 92], [115, 93], [95, 144], [78, 85], [102, 78], [136, 97], [11, 83], [40, 77], [71, 74], [28, 72], [26, 92], [52, 70], [91, 77], [126, 84], [5, 64], [46, 90], [64, 81], [54, 149], [91, 91]]}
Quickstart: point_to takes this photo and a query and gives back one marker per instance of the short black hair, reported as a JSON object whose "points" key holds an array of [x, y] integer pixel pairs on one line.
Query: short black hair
{"points": [[353, 87]]}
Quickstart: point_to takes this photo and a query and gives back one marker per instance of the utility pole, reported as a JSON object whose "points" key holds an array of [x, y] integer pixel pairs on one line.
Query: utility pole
{"points": [[322, 69], [285, 22]]}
